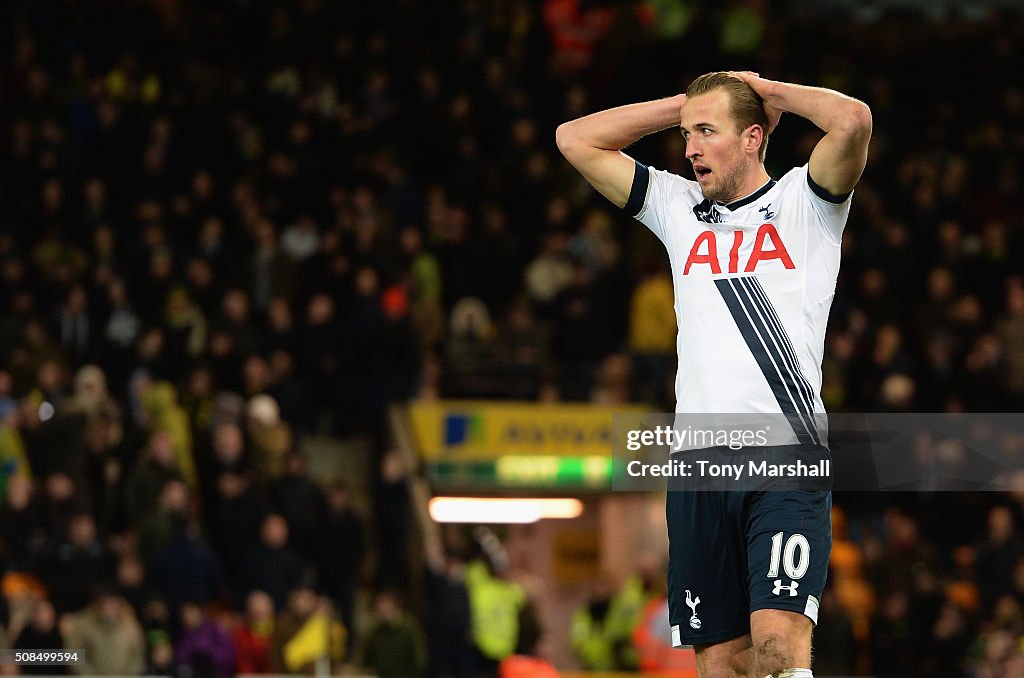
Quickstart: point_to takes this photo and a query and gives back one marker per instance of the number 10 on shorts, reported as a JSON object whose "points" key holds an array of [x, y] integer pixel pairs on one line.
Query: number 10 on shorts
{"points": [[794, 557]]}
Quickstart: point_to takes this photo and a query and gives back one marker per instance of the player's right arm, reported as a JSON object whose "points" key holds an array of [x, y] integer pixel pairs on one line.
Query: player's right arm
{"points": [[593, 144]]}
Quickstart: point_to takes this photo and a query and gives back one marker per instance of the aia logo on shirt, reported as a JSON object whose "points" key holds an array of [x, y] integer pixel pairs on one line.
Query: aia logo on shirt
{"points": [[767, 246]]}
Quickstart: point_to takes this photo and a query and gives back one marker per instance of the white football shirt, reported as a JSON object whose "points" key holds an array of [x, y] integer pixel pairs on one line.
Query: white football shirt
{"points": [[753, 280]]}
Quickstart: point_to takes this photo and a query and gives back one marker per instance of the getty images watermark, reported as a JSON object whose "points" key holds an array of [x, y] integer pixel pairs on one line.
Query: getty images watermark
{"points": [[716, 452], [845, 451]]}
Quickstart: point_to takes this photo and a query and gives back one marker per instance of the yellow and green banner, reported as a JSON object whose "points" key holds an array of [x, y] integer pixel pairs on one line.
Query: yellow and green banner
{"points": [[484, 444]]}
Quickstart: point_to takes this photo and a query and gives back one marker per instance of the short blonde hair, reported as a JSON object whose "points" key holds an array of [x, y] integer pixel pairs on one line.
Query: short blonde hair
{"points": [[746, 105]]}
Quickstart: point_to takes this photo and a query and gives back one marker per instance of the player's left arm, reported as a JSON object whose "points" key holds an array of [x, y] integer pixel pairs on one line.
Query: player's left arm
{"points": [[839, 158]]}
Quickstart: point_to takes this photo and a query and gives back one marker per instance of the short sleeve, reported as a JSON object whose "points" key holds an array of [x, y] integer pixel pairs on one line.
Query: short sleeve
{"points": [[831, 211], [649, 198]]}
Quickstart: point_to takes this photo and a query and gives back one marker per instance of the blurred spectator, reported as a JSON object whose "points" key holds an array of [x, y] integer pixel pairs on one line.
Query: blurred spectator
{"points": [[131, 582], [521, 342], [496, 606], [109, 636], [1011, 334], [19, 523], [252, 635], [185, 569], [602, 629], [155, 468], [301, 502], [226, 453], [280, 333], [550, 272], [342, 541], [997, 557], [301, 239], [578, 342], [949, 641], [160, 656], [317, 363], [305, 634], [271, 271], [235, 526], [185, 330], [272, 565], [612, 381], [270, 437], [999, 655], [470, 331], [104, 443], [40, 634], [8, 403], [76, 327], [73, 566], [448, 619], [204, 647], [394, 646], [236, 322], [165, 415], [62, 499], [157, 528], [904, 554], [392, 512], [425, 287], [395, 375], [892, 637], [652, 337]]}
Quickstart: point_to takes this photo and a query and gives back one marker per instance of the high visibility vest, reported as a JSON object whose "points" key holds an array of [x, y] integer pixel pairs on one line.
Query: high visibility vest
{"points": [[495, 604], [605, 644]]}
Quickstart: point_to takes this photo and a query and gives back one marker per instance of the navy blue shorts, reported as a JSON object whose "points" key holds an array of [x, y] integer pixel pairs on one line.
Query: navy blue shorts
{"points": [[733, 552]]}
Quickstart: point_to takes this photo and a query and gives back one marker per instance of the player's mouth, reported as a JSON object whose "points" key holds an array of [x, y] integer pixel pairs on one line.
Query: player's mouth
{"points": [[701, 171]]}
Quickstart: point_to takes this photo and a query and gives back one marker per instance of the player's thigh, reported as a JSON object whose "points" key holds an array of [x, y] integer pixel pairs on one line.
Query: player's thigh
{"points": [[789, 540], [728, 659], [707, 577]]}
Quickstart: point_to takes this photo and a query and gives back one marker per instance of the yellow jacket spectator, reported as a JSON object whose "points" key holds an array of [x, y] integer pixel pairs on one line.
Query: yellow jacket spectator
{"points": [[602, 629], [652, 318], [495, 604], [160, 401], [12, 453]]}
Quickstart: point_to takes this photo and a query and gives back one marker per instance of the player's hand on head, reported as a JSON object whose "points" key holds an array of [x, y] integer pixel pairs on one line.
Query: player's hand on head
{"points": [[746, 76], [759, 85]]}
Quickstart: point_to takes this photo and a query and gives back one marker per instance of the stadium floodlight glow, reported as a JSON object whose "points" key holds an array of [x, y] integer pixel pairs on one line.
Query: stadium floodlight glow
{"points": [[498, 510]]}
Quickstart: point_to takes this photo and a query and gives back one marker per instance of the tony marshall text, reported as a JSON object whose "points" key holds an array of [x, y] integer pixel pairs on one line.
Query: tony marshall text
{"points": [[703, 468]]}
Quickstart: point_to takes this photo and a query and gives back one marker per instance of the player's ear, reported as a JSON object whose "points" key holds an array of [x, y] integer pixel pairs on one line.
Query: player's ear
{"points": [[752, 138]]}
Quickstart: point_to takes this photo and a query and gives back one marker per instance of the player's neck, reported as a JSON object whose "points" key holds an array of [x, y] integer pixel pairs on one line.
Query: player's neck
{"points": [[753, 182]]}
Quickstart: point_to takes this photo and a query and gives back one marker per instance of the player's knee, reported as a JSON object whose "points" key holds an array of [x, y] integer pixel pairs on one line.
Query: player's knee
{"points": [[781, 640]]}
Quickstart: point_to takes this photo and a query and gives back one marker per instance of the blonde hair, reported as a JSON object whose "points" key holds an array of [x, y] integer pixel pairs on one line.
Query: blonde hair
{"points": [[746, 105]]}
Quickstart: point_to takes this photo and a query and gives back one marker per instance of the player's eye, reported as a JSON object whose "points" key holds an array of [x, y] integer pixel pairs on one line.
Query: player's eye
{"points": [[706, 131]]}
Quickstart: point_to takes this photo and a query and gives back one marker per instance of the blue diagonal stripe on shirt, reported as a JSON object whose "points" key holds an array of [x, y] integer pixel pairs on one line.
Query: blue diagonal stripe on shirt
{"points": [[760, 298], [767, 352]]}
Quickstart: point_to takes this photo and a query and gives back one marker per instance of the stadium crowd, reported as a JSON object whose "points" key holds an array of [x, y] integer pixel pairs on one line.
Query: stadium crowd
{"points": [[228, 226]]}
